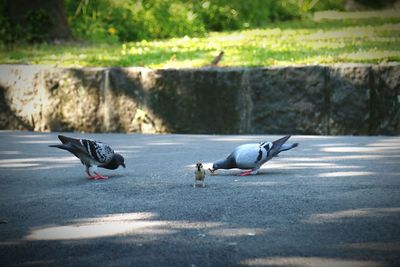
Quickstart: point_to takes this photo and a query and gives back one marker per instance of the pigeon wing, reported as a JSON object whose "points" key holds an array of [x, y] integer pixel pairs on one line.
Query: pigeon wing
{"points": [[247, 156], [98, 151]]}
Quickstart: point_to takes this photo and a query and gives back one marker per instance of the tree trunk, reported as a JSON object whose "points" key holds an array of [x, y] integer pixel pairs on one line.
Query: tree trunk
{"points": [[19, 11]]}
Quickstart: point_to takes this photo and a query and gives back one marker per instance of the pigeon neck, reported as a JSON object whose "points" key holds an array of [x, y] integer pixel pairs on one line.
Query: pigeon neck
{"points": [[227, 163], [112, 165]]}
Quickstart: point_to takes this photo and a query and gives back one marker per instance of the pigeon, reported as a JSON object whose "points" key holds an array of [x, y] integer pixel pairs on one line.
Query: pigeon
{"points": [[199, 174], [92, 154], [253, 156]]}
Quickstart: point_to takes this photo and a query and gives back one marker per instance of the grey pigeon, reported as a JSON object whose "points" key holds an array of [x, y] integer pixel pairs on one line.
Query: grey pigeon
{"points": [[253, 156], [92, 154]]}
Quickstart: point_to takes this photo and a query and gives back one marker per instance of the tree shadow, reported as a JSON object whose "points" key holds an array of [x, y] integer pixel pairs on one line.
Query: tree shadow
{"points": [[8, 118]]}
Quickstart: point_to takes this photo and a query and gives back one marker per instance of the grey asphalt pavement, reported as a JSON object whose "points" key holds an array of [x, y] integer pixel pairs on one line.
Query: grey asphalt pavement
{"points": [[332, 201]]}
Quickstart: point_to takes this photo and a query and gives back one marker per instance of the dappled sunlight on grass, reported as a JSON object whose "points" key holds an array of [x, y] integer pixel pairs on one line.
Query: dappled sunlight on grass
{"points": [[340, 15], [300, 42], [356, 32], [372, 55]]}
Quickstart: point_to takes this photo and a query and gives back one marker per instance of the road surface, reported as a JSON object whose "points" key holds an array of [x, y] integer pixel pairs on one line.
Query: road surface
{"points": [[332, 201]]}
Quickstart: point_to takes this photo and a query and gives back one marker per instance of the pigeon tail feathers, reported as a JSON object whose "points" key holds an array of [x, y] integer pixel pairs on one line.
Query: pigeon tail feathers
{"points": [[286, 147], [65, 147], [72, 148], [277, 145], [66, 140], [280, 142]]}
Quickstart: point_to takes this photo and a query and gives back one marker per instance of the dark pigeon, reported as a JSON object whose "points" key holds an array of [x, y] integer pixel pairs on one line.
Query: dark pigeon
{"points": [[92, 154], [253, 156]]}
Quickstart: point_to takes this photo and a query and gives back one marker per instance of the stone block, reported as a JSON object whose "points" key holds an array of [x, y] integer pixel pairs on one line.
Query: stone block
{"points": [[22, 96], [126, 101], [73, 100], [349, 99], [289, 100], [197, 100], [385, 97]]}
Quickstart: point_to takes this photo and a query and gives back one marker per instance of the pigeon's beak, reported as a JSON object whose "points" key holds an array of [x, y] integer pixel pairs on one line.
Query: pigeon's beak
{"points": [[123, 165]]}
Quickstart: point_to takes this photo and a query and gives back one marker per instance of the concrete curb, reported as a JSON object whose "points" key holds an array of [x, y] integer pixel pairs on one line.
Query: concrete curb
{"points": [[356, 99]]}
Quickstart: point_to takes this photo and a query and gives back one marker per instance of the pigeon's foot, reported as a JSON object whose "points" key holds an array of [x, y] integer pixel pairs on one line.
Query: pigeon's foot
{"points": [[98, 177], [247, 173]]}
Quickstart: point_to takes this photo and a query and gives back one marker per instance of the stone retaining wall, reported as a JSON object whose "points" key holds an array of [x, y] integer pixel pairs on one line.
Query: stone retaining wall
{"points": [[357, 99]]}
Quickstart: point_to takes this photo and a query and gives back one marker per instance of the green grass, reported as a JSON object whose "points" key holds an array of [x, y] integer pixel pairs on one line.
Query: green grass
{"points": [[368, 39]]}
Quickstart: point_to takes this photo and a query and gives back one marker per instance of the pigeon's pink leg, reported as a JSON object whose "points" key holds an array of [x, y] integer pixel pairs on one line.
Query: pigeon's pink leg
{"points": [[247, 173], [99, 176]]}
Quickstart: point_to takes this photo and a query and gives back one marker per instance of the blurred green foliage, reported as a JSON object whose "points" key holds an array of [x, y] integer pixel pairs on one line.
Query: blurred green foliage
{"points": [[5, 27], [39, 26], [37, 30], [131, 20], [117, 21], [334, 37]]}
